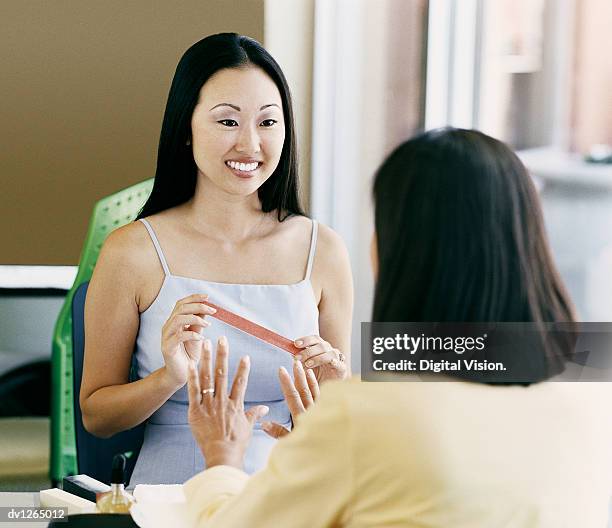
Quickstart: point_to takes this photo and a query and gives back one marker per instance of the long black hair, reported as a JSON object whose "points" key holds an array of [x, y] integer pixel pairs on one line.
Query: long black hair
{"points": [[460, 237], [176, 173]]}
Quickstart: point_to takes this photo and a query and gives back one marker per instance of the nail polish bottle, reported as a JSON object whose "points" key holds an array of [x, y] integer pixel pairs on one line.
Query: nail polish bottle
{"points": [[117, 500]]}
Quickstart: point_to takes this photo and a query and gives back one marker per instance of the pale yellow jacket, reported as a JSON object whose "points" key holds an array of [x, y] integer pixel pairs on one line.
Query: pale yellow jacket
{"points": [[444, 454]]}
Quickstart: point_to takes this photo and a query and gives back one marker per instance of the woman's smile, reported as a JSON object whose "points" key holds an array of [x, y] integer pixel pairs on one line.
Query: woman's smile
{"points": [[244, 168]]}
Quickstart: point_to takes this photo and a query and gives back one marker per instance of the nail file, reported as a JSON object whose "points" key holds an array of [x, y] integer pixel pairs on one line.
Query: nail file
{"points": [[251, 328]]}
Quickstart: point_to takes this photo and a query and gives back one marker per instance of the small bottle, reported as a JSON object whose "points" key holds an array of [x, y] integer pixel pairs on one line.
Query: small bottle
{"points": [[117, 500]]}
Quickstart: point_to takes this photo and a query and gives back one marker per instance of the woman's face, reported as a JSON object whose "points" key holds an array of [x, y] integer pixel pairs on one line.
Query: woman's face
{"points": [[238, 129]]}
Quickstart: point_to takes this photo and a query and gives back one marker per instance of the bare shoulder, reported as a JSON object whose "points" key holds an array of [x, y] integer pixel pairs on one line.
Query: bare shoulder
{"points": [[329, 243], [331, 249], [331, 267], [128, 258], [296, 224], [129, 245], [128, 268]]}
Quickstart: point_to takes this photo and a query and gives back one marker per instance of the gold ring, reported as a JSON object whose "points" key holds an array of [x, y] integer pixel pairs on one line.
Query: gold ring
{"points": [[207, 391]]}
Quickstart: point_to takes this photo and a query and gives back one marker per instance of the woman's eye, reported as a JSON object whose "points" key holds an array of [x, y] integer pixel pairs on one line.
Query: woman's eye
{"points": [[228, 122], [269, 122]]}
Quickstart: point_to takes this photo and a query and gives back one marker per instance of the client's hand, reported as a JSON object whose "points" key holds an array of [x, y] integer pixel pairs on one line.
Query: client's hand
{"points": [[299, 396], [219, 423]]}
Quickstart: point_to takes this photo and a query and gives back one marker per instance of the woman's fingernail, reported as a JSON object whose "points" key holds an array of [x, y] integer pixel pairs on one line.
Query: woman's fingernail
{"points": [[223, 340], [298, 357], [283, 370], [299, 342], [266, 425], [309, 363]]}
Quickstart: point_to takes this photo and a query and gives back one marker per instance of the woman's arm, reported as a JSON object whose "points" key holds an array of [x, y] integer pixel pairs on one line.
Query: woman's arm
{"points": [[108, 402], [122, 286], [332, 275]]}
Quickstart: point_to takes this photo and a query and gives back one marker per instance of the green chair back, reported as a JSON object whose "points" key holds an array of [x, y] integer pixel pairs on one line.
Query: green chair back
{"points": [[109, 213]]}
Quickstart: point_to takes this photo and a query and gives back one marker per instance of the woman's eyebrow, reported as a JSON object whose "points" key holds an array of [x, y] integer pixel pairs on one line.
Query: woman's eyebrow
{"points": [[226, 104], [237, 108]]}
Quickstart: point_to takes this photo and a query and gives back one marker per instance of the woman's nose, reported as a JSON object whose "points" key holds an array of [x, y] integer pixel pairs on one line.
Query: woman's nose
{"points": [[248, 141]]}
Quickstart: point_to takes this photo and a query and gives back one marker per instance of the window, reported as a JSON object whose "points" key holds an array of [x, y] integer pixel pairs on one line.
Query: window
{"points": [[534, 73]]}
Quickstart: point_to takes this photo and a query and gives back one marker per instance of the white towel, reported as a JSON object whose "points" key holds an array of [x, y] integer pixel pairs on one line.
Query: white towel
{"points": [[160, 506]]}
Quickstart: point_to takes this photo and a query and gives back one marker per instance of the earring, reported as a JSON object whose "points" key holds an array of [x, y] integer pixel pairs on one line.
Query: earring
{"points": [[188, 142]]}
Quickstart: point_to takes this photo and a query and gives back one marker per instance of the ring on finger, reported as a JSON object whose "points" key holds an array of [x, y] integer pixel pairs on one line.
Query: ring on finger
{"points": [[208, 391]]}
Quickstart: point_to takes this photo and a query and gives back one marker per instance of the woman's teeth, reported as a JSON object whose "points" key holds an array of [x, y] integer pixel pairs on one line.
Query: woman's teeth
{"points": [[244, 167]]}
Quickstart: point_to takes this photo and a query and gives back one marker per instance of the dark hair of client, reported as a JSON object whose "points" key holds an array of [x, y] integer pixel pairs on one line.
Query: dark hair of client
{"points": [[460, 235], [176, 173]]}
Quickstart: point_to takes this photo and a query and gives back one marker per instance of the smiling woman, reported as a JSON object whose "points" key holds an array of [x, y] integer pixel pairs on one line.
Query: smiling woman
{"points": [[242, 135], [224, 224]]}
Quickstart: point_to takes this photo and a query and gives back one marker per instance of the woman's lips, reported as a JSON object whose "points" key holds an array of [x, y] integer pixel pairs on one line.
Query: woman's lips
{"points": [[247, 172]]}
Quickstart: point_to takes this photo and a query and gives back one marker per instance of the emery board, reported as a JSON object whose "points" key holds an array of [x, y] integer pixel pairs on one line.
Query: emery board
{"points": [[253, 329]]}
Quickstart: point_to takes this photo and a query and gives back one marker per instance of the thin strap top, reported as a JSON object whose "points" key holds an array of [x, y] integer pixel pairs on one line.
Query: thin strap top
{"points": [[158, 248], [288, 309], [164, 263], [313, 247]]}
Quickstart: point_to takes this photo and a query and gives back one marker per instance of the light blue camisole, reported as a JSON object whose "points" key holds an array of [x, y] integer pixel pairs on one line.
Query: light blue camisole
{"points": [[169, 454]]}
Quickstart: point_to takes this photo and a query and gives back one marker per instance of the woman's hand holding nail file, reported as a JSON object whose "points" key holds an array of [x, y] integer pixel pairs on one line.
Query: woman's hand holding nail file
{"points": [[181, 340], [316, 353]]}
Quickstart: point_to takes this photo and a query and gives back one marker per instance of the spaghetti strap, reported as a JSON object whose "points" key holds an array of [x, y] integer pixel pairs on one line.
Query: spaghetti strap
{"points": [[313, 247], [158, 248]]}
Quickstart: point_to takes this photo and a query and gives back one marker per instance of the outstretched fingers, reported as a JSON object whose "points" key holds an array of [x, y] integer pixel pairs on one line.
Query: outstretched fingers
{"points": [[255, 413], [207, 387], [241, 380], [292, 396], [302, 385], [193, 385], [313, 384], [275, 430], [221, 368]]}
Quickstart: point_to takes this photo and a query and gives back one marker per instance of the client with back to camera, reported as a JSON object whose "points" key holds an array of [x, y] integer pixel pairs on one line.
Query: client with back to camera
{"points": [[459, 237]]}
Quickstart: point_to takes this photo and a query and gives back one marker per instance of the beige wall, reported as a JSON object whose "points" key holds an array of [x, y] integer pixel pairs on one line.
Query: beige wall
{"points": [[84, 86]]}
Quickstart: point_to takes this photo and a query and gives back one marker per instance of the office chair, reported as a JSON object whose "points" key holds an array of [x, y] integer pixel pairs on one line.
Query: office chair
{"points": [[109, 213], [95, 455]]}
